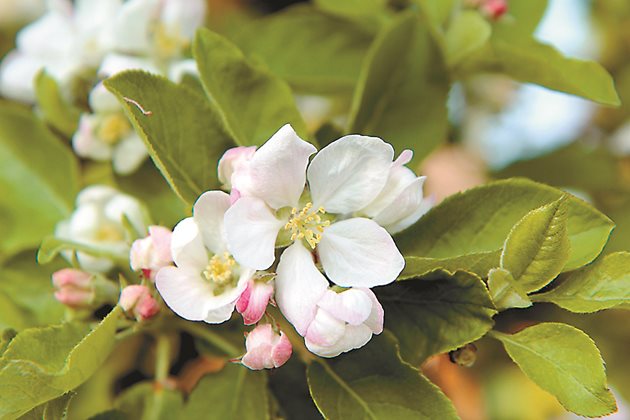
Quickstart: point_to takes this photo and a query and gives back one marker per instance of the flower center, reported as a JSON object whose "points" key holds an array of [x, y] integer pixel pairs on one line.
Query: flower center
{"points": [[109, 233], [307, 224], [219, 269], [168, 43], [113, 128]]}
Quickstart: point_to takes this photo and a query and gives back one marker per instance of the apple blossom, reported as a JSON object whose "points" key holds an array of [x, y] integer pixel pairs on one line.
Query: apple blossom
{"points": [[266, 349], [207, 281], [253, 301], [137, 301], [107, 134], [81, 290], [152, 253], [231, 161], [98, 222]]}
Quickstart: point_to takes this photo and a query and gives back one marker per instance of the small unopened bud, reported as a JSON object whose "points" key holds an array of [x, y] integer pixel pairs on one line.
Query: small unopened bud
{"points": [[465, 356], [74, 288], [266, 349], [152, 253], [494, 9], [136, 300], [231, 161], [253, 301]]}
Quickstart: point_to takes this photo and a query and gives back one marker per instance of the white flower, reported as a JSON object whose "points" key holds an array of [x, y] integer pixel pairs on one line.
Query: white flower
{"points": [[207, 281], [344, 321], [67, 41], [107, 134], [231, 161], [98, 222]]}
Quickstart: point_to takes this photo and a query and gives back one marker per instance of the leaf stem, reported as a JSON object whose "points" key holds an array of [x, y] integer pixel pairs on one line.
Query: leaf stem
{"points": [[162, 358]]}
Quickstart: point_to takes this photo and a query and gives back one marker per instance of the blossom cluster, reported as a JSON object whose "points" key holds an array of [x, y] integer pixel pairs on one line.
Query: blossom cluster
{"points": [[78, 44]]}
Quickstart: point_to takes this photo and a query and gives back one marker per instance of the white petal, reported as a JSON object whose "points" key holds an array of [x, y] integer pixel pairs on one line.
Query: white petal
{"points": [[352, 306], [399, 178], [129, 154], [208, 213], [102, 100], [359, 253], [86, 144], [185, 292], [97, 194], [277, 171], [49, 38], [17, 73], [181, 68], [408, 206], [404, 223], [325, 330], [377, 315], [115, 63], [183, 17], [131, 29], [354, 337], [299, 286], [124, 206], [348, 174], [251, 229], [187, 246]]}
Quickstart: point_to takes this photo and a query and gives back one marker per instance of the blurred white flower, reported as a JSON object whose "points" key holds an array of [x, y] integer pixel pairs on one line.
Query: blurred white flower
{"points": [[99, 222]]}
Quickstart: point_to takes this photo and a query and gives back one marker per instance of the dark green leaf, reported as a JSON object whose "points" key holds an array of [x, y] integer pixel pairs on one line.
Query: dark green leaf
{"points": [[61, 115], [146, 401]]}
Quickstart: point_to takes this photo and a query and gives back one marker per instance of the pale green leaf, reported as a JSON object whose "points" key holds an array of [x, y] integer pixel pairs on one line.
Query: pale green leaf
{"points": [[468, 32], [478, 221], [402, 90], [527, 13], [233, 393], [146, 401], [38, 180], [332, 61], [352, 8], [41, 364], [56, 409], [601, 285], [52, 246], [565, 362], [505, 291], [55, 110], [184, 134], [373, 383], [478, 264], [438, 11], [253, 102], [537, 248], [436, 312]]}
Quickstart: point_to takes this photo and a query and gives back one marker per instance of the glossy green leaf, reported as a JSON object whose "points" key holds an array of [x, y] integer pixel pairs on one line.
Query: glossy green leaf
{"points": [[55, 110], [537, 248], [601, 285], [374, 383], [505, 291], [437, 312], [478, 264], [288, 385], [401, 93], [146, 401], [234, 393], [253, 102], [38, 180], [330, 64], [29, 293], [480, 219], [56, 409], [184, 134], [565, 362], [41, 364], [468, 32]]}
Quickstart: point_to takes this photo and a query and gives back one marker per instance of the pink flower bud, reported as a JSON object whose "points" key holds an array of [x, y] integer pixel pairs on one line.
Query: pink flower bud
{"points": [[266, 349], [494, 9], [153, 252], [253, 301], [137, 300], [74, 288], [231, 161]]}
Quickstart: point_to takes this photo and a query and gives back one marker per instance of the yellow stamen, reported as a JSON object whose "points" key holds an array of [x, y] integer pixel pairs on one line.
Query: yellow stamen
{"points": [[307, 224], [113, 128], [219, 269]]}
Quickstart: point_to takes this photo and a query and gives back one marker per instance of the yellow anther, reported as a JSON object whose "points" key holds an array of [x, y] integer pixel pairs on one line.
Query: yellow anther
{"points": [[219, 269], [304, 223], [113, 128]]}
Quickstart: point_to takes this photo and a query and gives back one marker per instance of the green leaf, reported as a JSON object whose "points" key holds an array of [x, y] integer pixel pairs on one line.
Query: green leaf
{"points": [[527, 13], [478, 264], [565, 362], [29, 293], [330, 64], [468, 32], [56, 409], [537, 247], [52, 246], [184, 134], [601, 285], [38, 180], [289, 386], [352, 8], [374, 383], [478, 221], [61, 115], [146, 401], [41, 364], [438, 11], [402, 91], [436, 313], [505, 291], [234, 393], [253, 102]]}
